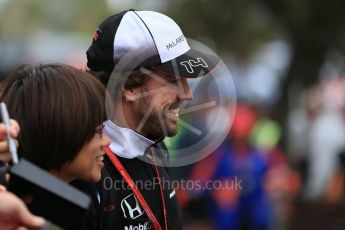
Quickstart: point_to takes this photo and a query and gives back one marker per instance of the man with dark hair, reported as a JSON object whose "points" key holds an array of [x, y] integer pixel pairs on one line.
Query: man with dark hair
{"points": [[145, 60]]}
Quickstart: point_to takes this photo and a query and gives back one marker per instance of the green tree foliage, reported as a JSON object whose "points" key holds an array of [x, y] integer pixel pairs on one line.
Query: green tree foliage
{"points": [[238, 27], [235, 26], [25, 16]]}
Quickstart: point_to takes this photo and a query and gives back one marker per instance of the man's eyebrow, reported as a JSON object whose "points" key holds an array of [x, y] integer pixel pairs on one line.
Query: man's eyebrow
{"points": [[147, 93]]}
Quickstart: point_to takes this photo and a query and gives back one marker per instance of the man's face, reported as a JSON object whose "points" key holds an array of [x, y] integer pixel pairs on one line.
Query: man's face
{"points": [[159, 102]]}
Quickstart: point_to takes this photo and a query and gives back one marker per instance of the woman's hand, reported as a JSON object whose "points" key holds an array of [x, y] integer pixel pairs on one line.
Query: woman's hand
{"points": [[14, 214], [14, 129]]}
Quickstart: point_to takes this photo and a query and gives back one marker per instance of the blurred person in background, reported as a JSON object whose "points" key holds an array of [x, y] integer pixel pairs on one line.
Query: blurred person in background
{"points": [[326, 138], [246, 206], [317, 136], [282, 181], [335, 192], [323, 191], [299, 124]]}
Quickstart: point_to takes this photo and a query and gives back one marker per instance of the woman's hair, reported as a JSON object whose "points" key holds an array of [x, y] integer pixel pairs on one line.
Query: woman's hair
{"points": [[58, 108]]}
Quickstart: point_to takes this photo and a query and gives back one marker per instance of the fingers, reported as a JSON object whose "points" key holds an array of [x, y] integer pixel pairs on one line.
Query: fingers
{"points": [[22, 228], [14, 213], [29, 220], [13, 130], [2, 131], [18, 214], [5, 157], [2, 188], [4, 145]]}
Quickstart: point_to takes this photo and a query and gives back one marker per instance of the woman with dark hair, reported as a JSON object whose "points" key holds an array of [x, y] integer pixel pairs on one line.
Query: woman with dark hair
{"points": [[60, 110]]}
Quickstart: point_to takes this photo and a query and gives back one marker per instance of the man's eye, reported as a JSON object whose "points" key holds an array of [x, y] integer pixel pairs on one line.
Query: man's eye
{"points": [[173, 81]]}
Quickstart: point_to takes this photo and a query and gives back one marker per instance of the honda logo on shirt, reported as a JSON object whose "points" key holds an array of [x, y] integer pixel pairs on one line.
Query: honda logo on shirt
{"points": [[130, 207], [190, 64]]}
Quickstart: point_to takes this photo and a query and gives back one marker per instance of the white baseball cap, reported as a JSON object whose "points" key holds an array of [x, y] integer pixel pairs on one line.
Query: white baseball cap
{"points": [[153, 36]]}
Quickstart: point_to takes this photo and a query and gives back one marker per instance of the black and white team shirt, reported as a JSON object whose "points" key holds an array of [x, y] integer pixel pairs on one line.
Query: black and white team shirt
{"points": [[119, 208]]}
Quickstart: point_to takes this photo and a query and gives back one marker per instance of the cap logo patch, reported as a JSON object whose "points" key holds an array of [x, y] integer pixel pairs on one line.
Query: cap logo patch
{"points": [[190, 64], [175, 42], [96, 34]]}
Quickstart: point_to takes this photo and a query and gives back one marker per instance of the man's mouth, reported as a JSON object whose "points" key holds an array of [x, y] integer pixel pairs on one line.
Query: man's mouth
{"points": [[172, 114]]}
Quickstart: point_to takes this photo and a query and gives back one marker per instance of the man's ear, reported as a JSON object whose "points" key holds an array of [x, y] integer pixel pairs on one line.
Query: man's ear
{"points": [[129, 94]]}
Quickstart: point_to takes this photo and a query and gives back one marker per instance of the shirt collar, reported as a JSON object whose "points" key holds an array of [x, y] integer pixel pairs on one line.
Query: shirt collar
{"points": [[125, 142]]}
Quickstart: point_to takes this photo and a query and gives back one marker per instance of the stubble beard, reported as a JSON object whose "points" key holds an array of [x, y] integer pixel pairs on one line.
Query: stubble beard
{"points": [[157, 124]]}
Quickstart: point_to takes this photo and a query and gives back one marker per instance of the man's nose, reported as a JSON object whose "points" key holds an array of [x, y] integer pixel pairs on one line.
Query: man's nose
{"points": [[185, 93]]}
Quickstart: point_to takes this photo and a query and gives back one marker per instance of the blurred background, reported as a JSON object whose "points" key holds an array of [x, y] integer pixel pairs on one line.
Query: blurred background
{"points": [[287, 140]]}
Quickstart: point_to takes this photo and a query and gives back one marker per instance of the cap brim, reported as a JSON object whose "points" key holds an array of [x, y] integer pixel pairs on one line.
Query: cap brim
{"points": [[191, 64]]}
